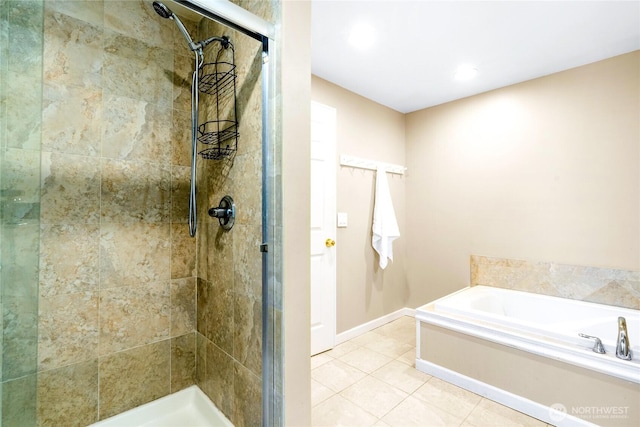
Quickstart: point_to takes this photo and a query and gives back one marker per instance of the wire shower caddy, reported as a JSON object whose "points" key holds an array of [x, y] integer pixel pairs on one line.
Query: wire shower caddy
{"points": [[218, 79]]}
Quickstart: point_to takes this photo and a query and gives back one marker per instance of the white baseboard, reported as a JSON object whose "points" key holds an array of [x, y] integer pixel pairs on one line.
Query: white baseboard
{"points": [[501, 396], [375, 323]]}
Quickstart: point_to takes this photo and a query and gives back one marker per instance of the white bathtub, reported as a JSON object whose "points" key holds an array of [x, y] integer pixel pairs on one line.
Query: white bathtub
{"points": [[451, 332], [540, 324], [188, 407]]}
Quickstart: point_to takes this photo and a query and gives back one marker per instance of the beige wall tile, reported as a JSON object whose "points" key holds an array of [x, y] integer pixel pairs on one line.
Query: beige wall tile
{"points": [[181, 138], [67, 329], [134, 377], [247, 397], [133, 191], [247, 341], [137, 19], [134, 254], [247, 260], [182, 75], [88, 11], [183, 249], [183, 361], [72, 119], [219, 379], [68, 258], [68, 396], [152, 67], [183, 306], [70, 189], [201, 362], [247, 169], [136, 129], [180, 187], [73, 52], [133, 315], [202, 243], [600, 285], [220, 261], [203, 311], [215, 314]]}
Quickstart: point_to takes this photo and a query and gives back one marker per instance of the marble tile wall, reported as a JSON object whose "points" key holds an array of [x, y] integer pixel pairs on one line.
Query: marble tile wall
{"points": [[229, 340], [593, 284], [116, 315]]}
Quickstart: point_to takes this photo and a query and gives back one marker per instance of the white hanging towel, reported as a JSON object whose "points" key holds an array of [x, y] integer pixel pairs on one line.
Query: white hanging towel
{"points": [[385, 226]]}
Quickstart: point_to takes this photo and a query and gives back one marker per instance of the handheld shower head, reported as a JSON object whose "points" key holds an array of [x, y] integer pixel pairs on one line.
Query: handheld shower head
{"points": [[162, 10], [165, 12]]}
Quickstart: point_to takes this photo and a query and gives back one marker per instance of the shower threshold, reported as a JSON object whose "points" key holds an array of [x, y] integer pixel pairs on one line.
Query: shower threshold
{"points": [[188, 407]]}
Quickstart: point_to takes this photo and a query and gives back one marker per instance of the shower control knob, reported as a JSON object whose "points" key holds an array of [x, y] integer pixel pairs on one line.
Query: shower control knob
{"points": [[225, 212]]}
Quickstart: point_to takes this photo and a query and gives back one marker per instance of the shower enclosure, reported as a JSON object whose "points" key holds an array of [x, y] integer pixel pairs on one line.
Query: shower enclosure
{"points": [[107, 302]]}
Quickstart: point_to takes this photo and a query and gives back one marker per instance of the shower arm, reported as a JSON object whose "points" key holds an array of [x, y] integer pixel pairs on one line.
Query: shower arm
{"points": [[224, 41], [165, 12]]}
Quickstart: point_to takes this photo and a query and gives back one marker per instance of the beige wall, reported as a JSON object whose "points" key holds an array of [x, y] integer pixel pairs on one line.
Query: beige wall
{"points": [[296, 139], [369, 130], [543, 170]]}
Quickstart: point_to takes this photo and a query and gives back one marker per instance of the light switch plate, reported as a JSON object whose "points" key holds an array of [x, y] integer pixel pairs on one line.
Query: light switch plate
{"points": [[343, 219]]}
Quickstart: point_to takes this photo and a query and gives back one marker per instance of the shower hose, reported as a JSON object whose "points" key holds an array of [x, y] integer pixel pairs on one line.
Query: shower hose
{"points": [[199, 59]]}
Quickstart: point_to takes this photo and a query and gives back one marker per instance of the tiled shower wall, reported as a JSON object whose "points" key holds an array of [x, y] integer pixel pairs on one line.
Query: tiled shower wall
{"points": [[228, 360], [116, 309], [600, 285]]}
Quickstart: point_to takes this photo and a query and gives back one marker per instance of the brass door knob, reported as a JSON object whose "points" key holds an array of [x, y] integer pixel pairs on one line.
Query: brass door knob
{"points": [[330, 243]]}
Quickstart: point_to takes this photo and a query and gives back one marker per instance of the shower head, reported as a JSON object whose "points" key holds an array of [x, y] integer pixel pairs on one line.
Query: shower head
{"points": [[166, 13], [162, 10]]}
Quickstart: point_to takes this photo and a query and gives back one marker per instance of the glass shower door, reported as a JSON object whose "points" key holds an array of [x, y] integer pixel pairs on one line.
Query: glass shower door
{"points": [[21, 29]]}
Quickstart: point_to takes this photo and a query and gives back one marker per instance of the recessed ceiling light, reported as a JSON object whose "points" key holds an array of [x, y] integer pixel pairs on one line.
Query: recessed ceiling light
{"points": [[362, 36], [465, 72]]}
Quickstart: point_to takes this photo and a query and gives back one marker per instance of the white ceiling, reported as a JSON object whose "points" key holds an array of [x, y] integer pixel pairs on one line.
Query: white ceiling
{"points": [[419, 44]]}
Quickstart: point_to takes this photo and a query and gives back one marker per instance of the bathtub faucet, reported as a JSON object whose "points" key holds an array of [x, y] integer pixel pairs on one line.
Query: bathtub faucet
{"points": [[623, 347]]}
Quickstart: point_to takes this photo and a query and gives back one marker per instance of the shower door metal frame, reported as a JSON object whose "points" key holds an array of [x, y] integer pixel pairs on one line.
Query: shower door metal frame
{"points": [[233, 16]]}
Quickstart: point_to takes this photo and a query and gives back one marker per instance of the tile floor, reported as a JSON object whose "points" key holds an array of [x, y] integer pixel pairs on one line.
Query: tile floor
{"points": [[371, 381]]}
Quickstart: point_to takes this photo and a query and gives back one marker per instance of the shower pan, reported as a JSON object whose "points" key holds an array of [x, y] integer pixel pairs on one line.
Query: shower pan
{"points": [[107, 302]]}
